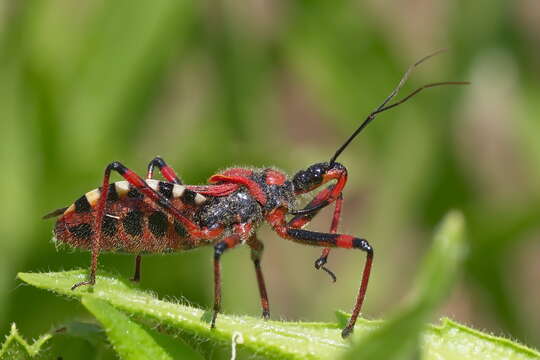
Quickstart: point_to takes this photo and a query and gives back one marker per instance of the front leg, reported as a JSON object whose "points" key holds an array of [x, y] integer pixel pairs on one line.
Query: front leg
{"points": [[311, 179], [299, 221], [277, 219], [321, 261]]}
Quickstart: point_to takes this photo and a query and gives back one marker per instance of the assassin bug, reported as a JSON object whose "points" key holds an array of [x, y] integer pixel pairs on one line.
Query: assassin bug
{"points": [[149, 216]]}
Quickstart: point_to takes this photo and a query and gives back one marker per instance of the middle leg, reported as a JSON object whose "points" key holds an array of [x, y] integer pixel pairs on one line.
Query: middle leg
{"points": [[169, 174], [219, 249], [241, 232], [167, 171], [257, 248]]}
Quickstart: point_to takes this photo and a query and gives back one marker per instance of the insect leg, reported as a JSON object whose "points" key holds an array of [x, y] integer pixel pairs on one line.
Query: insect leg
{"points": [[167, 171], [300, 221], [169, 174], [219, 249], [137, 275], [98, 221], [321, 261], [277, 219], [257, 248]]}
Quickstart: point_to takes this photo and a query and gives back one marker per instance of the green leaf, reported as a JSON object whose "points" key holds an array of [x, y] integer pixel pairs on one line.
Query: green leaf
{"points": [[131, 340], [399, 336], [267, 339], [453, 341], [275, 339], [16, 347], [90, 332]]}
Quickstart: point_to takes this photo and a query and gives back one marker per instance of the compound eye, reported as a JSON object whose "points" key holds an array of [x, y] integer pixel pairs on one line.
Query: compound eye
{"points": [[317, 173]]}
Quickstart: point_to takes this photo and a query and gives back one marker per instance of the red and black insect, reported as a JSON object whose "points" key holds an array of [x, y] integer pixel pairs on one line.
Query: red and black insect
{"points": [[149, 216]]}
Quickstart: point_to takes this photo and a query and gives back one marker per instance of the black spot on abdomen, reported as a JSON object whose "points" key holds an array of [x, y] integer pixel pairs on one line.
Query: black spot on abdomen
{"points": [[133, 223], [133, 193], [180, 230], [112, 195], [81, 231], [109, 226], [165, 189], [82, 205], [158, 223], [188, 197]]}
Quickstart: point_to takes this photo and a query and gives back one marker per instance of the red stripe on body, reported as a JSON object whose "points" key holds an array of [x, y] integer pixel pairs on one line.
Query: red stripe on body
{"points": [[251, 185], [215, 190], [238, 172], [274, 177]]}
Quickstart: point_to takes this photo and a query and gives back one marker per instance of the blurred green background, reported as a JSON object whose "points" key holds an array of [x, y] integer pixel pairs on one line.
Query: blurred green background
{"points": [[212, 84]]}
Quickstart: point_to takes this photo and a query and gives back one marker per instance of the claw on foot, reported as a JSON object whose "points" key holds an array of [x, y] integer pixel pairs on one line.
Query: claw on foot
{"points": [[214, 317], [319, 264], [346, 332], [82, 283]]}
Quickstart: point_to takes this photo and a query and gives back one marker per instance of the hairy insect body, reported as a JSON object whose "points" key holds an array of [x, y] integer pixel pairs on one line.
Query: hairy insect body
{"points": [[131, 224], [134, 224], [236, 208]]}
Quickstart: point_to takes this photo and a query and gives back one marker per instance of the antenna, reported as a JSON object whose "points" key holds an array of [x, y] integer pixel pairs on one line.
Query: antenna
{"points": [[384, 106]]}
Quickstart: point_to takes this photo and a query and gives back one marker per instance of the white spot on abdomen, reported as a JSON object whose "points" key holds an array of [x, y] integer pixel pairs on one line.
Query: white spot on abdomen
{"points": [[93, 196], [121, 187], [199, 199], [178, 190], [153, 184]]}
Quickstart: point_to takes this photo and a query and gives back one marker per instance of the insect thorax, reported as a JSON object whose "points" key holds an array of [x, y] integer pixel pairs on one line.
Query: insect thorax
{"points": [[242, 207]]}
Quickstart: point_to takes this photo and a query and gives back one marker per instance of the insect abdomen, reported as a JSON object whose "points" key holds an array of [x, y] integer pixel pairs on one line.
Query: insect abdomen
{"points": [[131, 223]]}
